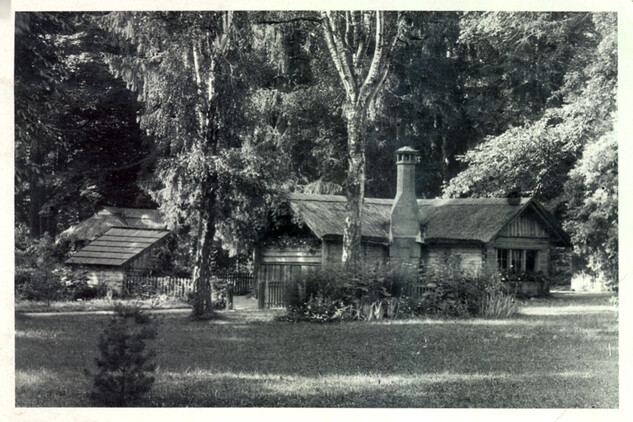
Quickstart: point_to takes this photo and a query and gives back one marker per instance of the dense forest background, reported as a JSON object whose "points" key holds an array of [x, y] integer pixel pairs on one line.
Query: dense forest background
{"points": [[110, 108]]}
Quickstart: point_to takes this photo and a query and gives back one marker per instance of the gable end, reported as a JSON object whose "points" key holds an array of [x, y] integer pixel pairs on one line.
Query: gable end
{"points": [[534, 222]]}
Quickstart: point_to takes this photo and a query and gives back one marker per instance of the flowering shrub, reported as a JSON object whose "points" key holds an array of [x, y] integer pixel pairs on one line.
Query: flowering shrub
{"points": [[513, 278]]}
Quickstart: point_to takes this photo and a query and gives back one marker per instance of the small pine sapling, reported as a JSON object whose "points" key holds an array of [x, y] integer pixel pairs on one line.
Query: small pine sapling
{"points": [[125, 371]]}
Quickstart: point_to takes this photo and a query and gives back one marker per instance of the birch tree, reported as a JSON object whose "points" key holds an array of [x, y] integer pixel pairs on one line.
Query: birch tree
{"points": [[189, 71], [360, 46]]}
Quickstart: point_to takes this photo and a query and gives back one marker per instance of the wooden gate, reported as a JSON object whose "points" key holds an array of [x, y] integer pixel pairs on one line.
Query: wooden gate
{"points": [[277, 266], [273, 280]]}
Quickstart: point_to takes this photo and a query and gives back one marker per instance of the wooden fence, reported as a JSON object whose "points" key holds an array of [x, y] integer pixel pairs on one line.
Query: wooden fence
{"points": [[180, 287], [144, 285], [243, 283]]}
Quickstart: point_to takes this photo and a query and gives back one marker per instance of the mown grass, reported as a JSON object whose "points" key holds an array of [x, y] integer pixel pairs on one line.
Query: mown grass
{"points": [[246, 358], [102, 304]]}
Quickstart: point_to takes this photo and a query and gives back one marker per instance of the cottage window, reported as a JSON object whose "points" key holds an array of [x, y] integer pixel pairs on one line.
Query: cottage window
{"points": [[516, 260], [502, 259], [530, 260]]}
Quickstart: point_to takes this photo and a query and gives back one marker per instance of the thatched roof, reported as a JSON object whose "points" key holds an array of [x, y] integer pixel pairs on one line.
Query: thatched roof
{"points": [[110, 217], [117, 246], [325, 215], [475, 220], [478, 219]]}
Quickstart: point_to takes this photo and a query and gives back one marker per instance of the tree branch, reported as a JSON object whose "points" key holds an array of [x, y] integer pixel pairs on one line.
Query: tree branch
{"points": [[285, 21], [377, 70], [150, 157], [345, 53], [345, 75]]}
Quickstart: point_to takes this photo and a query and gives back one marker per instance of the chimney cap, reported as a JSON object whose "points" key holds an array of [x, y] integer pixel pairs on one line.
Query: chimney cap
{"points": [[407, 150], [407, 155]]}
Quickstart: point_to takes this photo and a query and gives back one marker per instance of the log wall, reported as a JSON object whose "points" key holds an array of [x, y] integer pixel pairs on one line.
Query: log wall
{"points": [[372, 252], [468, 259], [110, 277]]}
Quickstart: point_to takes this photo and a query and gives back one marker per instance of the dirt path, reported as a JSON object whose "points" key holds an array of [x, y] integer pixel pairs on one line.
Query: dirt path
{"points": [[570, 303]]}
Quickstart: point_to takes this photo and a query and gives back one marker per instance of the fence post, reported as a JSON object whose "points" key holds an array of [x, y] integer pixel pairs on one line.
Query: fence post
{"points": [[229, 296], [261, 289]]}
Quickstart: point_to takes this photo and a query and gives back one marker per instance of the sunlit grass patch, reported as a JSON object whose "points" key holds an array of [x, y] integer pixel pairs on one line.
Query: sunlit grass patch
{"points": [[567, 310], [35, 377], [372, 389], [508, 322], [37, 334]]}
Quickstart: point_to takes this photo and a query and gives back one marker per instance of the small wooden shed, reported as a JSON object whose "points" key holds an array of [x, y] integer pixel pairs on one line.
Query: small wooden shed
{"points": [[115, 242]]}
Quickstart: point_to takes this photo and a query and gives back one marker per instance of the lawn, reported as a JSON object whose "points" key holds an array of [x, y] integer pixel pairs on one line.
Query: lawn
{"points": [[559, 353]]}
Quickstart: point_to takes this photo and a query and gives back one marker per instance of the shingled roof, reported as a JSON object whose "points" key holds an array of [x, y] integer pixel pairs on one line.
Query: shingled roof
{"points": [[117, 246], [464, 219], [110, 217]]}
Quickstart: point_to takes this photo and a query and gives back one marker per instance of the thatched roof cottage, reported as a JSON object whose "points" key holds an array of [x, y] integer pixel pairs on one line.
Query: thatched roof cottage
{"points": [[478, 233]]}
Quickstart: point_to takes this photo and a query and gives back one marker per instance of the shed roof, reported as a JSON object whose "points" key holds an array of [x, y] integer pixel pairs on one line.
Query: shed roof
{"points": [[463, 219], [117, 246], [110, 217]]}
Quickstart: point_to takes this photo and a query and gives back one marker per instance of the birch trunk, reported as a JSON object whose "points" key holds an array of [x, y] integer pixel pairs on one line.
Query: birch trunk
{"points": [[354, 192], [202, 265], [210, 133]]}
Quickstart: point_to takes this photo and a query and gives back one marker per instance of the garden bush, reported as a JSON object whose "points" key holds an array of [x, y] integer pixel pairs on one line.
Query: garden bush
{"points": [[319, 295], [328, 294], [384, 291], [37, 268], [41, 276], [125, 371], [463, 295]]}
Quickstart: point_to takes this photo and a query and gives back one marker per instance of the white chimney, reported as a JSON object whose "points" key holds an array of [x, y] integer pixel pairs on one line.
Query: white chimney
{"points": [[405, 219]]}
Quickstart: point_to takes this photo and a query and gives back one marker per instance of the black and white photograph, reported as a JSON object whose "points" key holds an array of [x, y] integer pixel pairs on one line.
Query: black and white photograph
{"points": [[261, 208]]}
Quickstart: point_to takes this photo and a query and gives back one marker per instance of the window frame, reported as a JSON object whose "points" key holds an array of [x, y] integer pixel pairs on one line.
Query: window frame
{"points": [[509, 258]]}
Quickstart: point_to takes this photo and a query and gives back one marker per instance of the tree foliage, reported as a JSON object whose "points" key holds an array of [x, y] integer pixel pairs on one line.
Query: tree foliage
{"points": [[592, 218], [421, 105], [212, 114], [195, 74], [577, 120], [77, 142], [38, 97], [301, 105]]}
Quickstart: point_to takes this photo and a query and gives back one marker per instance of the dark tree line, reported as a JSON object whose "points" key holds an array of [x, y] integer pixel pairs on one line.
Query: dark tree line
{"points": [[78, 145]]}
